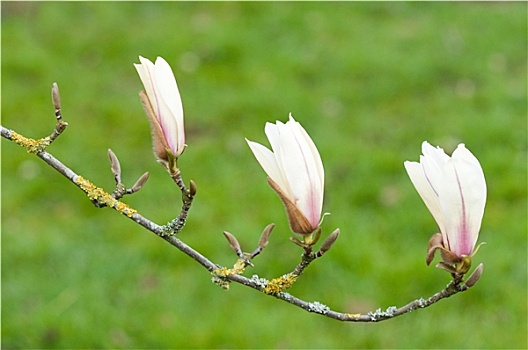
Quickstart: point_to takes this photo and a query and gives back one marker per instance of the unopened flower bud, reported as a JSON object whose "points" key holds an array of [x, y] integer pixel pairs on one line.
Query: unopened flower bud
{"points": [[140, 182], [329, 242], [114, 165], [475, 276], [162, 103], [55, 96], [264, 237], [295, 171], [233, 243]]}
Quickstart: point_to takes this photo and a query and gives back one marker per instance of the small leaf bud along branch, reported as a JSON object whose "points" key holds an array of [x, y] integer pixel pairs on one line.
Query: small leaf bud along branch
{"points": [[453, 189]]}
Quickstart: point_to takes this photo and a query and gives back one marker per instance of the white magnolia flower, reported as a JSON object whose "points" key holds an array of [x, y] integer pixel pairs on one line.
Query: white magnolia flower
{"points": [[454, 190], [295, 171], [162, 102]]}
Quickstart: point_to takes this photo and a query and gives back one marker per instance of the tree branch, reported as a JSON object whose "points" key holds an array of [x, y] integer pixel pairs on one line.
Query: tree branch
{"points": [[101, 199], [220, 275]]}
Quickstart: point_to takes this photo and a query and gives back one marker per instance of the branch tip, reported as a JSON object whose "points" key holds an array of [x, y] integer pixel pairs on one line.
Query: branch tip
{"points": [[475, 276], [328, 243], [264, 237], [263, 241], [115, 166], [192, 188], [233, 243], [55, 98], [140, 182]]}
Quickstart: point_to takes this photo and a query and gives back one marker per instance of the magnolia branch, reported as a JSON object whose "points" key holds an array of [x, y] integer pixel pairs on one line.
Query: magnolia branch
{"points": [[222, 276], [97, 195]]}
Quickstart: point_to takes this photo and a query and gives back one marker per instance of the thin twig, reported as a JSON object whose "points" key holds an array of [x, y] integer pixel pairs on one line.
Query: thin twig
{"points": [[61, 124], [176, 225]]}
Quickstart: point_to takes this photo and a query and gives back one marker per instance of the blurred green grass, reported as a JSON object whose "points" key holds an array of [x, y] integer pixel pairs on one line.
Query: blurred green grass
{"points": [[368, 81]]}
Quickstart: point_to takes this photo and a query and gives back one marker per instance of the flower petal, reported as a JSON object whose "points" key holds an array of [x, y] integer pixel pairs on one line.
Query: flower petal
{"points": [[425, 190], [296, 218], [295, 167], [463, 198], [454, 190], [171, 108], [267, 161], [272, 131], [302, 169], [146, 73], [164, 97]]}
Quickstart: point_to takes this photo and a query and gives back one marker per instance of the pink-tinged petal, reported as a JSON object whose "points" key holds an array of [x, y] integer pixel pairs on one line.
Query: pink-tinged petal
{"points": [[315, 156], [463, 197], [295, 168], [303, 170], [476, 183], [171, 109], [169, 126], [164, 97], [433, 161]]}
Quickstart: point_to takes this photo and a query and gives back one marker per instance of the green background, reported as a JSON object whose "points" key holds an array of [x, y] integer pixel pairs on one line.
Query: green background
{"points": [[368, 81]]}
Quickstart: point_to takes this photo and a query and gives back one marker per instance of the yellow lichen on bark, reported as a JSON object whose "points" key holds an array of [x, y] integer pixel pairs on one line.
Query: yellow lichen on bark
{"points": [[354, 316], [124, 209], [31, 145], [220, 274], [277, 285], [238, 268], [101, 196]]}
